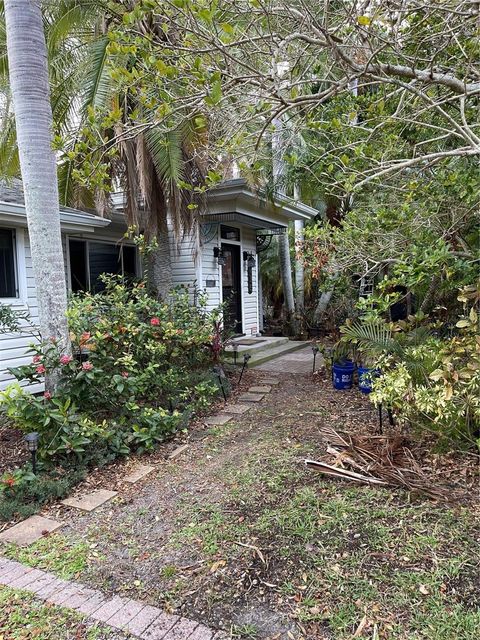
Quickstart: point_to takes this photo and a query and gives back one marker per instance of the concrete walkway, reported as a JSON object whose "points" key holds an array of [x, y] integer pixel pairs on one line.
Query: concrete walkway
{"points": [[300, 361], [140, 620]]}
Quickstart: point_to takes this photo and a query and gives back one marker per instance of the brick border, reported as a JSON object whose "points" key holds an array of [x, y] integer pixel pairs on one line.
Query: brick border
{"points": [[135, 617]]}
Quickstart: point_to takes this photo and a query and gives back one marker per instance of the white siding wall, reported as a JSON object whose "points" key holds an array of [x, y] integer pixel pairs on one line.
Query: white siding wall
{"points": [[14, 345], [185, 269], [249, 301], [211, 271]]}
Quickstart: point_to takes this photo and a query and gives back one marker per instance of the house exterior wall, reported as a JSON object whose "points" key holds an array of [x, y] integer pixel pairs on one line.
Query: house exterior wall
{"points": [[211, 271], [13, 346], [189, 268]]}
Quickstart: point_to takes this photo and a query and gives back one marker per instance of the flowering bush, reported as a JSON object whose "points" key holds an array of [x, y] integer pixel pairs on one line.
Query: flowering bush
{"points": [[138, 369]]}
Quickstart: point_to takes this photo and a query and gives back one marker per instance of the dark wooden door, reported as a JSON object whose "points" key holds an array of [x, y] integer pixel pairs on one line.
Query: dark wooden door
{"points": [[232, 287]]}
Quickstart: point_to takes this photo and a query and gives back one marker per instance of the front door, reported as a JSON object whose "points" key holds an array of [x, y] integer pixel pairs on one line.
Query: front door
{"points": [[232, 287]]}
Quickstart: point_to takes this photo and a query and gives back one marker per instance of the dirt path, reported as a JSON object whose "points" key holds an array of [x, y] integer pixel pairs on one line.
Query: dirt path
{"points": [[237, 534]]}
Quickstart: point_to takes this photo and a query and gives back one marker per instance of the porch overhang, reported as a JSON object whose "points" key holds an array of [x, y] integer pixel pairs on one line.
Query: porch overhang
{"points": [[234, 201]]}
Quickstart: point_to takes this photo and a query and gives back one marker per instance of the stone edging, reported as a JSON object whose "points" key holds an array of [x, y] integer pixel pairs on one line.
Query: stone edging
{"points": [[133, 616]]}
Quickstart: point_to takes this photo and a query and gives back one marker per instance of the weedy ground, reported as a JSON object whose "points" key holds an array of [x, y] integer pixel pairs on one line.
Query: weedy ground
{"points": [[239, 534]]}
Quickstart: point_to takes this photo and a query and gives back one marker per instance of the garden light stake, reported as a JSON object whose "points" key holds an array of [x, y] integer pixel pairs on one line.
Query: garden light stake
{"points": [[32, 442], [246, 358]]}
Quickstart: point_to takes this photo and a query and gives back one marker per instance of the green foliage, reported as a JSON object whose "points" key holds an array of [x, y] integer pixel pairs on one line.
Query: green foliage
{"points": [[22, 493], [429, 381], [139, 369], [55, 553]]}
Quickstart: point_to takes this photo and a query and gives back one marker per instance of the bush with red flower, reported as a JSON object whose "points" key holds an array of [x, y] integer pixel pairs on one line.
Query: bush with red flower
{"points": [[138, 368]]}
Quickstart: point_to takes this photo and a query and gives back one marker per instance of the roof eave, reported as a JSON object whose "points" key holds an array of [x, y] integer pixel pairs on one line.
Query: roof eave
{"points": [[70, 220], [281, 205]]}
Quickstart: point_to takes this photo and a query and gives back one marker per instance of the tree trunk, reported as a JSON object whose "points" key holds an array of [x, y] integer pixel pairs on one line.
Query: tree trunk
{"points": [[299, 269], [27, 58], [278, 166], [430, 295], [161, 266], [286, 271]]}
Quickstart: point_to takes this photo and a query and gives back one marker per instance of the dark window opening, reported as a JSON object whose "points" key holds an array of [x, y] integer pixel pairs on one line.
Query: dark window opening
{"points": [[78, 265], [8, 285], [90, 260]]}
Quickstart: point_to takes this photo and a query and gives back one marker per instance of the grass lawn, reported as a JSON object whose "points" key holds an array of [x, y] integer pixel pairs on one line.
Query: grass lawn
{"points": [[239, 535], [24, 618]]}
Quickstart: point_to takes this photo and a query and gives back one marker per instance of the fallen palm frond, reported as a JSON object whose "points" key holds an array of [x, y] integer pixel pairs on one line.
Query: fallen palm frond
{"points": [[379, 460]]}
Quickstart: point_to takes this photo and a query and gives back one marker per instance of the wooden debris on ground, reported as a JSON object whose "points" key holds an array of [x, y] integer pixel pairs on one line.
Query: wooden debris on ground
{"points": [[380, 460]]}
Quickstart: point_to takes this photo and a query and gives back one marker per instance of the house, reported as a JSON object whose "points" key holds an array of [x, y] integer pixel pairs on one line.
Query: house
{"points": [[223, 261]]}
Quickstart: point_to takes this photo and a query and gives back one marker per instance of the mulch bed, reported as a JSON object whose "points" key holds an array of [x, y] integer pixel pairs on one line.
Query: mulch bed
{"points": [[13, 450]]}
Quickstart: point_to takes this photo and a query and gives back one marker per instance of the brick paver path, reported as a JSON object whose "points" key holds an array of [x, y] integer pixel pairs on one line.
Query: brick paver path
{"points": [[142, 621], [300, 361]]}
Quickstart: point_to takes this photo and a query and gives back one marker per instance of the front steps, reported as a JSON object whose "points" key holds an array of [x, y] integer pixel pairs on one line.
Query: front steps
{"points": [[262, 349]]}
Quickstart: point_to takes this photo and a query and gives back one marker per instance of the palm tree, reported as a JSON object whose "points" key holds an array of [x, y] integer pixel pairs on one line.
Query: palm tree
{"points": [[148, 167], [29, 83]]}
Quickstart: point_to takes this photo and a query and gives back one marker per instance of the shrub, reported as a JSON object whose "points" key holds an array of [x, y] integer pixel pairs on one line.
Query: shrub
{"points": [[437, 386], [22, 493], [139, 368]]}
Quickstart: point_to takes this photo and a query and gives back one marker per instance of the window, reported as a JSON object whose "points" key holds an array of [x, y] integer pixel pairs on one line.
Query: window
{"points": [[229, 233], [8, 283], [89, 260]]}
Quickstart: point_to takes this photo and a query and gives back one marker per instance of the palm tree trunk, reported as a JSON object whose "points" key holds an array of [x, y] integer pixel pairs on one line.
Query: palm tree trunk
{"points": [[278, 166], [27, 58], [286, 271], [161, 266], [299, 267]]}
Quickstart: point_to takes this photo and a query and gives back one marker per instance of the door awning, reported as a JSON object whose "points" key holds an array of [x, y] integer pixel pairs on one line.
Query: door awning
{"points": [[244, 219]]}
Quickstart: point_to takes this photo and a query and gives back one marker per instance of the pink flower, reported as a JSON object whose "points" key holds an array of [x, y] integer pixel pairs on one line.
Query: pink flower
{"points": [[65, 359], [87, 366], [40, 369], [155, 322], [125, 374], [47, 395], [36, 359]]}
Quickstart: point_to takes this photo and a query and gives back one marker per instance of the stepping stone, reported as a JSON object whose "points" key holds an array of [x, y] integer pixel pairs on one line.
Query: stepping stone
{"points": [[29, 531], [218, 421], [250, 397], [178, 451], [237, 408], [138, 473], [91, 501], [260, 389], [270, 381]]}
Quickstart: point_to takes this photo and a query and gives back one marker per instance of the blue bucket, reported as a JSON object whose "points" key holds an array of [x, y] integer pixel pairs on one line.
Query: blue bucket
{"points": [[342, 375], [365, 378]]}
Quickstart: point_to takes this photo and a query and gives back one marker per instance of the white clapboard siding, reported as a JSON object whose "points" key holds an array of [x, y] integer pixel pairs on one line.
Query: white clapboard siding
{"points": [[14, 346], [249, 300], [211, 271], [185, 267]]}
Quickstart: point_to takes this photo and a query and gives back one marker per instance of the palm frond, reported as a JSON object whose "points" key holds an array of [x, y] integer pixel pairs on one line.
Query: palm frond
{"points": [[374, 336], [97, 84]]}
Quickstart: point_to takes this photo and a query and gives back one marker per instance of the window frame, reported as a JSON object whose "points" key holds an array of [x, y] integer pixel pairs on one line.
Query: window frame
{"points": [[19, 266], [87, 241]]}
